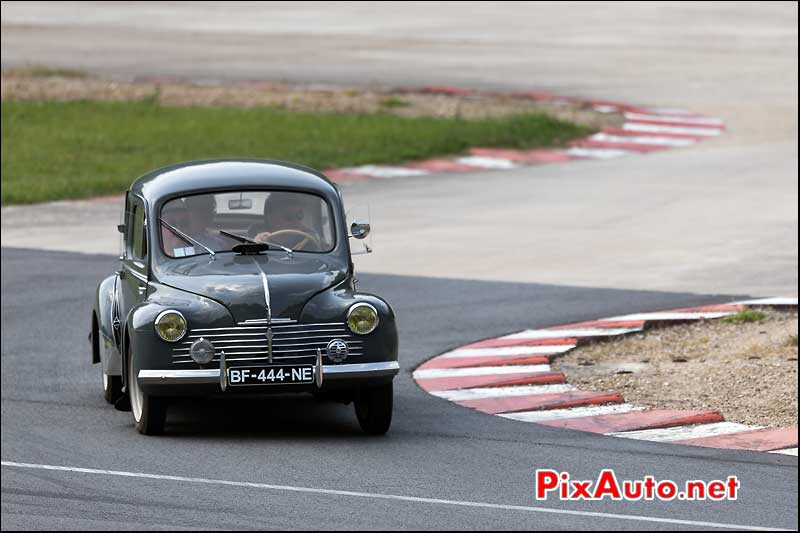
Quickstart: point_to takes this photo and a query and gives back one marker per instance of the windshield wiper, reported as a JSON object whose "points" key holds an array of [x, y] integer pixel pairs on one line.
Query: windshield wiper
{"points": [[239, 238], [185, 237]]}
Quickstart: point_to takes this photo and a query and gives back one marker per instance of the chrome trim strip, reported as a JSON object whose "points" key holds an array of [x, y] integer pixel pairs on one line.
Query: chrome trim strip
{"points": [[252, 325], [227, 335], [200, 376], [259, 334], [235, 357], [233, 328], [323, 338], [342, 324], [177, 361], [264, 321], [283, 343], [250, 347], [265, 282], [281, 352], [361, 370], [190, 377], [346, 337], [312, 344]]}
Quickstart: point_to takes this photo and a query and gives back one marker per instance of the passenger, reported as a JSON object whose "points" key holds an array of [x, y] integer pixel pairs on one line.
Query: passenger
{"points": [[202, 210], [176, 215]]}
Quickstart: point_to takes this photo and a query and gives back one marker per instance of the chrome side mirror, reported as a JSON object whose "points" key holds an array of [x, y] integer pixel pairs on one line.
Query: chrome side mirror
{"points": [[359, 229]]}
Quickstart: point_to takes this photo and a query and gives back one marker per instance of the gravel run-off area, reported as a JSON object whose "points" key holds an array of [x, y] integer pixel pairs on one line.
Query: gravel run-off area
{"points": [[746, 371]]}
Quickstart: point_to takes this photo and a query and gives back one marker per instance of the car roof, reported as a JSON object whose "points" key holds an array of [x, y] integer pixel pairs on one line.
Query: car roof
{"points": [[218, 174]]}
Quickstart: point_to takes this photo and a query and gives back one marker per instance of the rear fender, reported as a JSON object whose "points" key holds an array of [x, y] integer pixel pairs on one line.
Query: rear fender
{"points": [[106, 327]]}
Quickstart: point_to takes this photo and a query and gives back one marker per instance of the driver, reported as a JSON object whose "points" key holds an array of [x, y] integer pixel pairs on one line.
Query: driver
{"points": [[284, 215]]}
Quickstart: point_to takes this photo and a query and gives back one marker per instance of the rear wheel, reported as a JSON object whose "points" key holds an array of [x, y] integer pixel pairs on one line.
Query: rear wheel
{"points": [[149, 412], [373, 407]]}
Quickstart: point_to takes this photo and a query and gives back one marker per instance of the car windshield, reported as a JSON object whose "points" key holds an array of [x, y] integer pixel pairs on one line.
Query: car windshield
{"points": [[193, 225]]}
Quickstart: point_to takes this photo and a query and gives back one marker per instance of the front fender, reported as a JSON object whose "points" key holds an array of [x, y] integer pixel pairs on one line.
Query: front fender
{"points": [[332, 306], [151, 351]]}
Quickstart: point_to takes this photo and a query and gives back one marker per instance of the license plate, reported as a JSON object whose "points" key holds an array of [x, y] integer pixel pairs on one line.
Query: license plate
{"points": [[270, 375]]}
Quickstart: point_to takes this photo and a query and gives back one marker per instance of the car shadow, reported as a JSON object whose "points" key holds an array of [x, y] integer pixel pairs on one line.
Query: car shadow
{"points": [[275, 417]]}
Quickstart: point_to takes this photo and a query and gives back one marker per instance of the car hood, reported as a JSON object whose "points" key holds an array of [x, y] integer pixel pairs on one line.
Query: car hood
{"points": [[236, 281]]}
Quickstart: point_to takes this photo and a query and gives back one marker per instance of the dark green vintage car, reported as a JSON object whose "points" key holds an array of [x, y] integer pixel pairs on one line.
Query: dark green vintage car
{"points": [[236, 276]]}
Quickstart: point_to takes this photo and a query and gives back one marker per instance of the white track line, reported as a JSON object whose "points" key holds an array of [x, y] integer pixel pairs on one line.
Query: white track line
{"points": [[506, 351], [657, 128], [689, 121], [381, 171], [769, 301], [575, 412], [487, 162], [598, 153], [647, 140], [695, 315], [379, 496], [685, 432], [430, 373], [502, 392], [787, 451], [570, 333]]}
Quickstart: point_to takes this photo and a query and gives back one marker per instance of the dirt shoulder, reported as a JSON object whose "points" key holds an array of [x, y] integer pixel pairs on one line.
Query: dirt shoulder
{"points": [[41, 84], [747, 371]]}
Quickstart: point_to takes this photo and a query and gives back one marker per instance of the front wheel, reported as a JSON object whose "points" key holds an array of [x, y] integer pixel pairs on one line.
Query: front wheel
{"points": [[149, 412], [112, 387], [373, 407]]}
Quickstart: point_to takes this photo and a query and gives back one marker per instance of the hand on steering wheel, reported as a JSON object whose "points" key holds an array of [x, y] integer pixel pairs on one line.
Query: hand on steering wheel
{"points": [[306, 237]]}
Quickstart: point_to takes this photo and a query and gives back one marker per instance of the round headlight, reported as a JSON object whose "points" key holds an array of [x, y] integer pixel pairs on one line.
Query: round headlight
{"points": [[202, 351], [170, 326], [362, 318]]}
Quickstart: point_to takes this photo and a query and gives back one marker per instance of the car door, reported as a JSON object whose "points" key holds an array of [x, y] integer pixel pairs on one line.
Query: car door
{"points": [[133, 276]]}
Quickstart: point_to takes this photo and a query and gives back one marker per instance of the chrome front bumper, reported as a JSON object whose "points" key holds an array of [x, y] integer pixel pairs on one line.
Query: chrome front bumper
{"points": [[210, 376]]}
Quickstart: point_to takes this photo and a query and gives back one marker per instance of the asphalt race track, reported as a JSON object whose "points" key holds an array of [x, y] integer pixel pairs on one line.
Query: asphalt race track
{"points": [[53, 414], [540, 246], [718, 217]]}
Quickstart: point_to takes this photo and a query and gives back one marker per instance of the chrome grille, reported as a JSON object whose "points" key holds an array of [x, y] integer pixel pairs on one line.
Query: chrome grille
{"points": [[248, 341]]}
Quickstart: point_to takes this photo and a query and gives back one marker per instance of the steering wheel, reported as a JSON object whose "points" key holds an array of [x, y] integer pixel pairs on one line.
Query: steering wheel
{"points": [[306, 237]]}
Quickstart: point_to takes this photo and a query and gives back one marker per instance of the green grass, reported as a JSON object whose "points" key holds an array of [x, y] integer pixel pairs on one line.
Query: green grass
{"points": [[394, 101], [40, 71], [57, 150], [792, 341], [745, 316]]}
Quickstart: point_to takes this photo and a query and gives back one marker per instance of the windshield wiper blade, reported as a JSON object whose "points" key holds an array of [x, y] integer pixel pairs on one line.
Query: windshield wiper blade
{"points": [[185, 237], [239, 238]]}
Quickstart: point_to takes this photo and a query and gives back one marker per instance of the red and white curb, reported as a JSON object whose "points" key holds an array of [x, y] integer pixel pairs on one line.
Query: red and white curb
{"points": [[510, 376], [645, 130]]}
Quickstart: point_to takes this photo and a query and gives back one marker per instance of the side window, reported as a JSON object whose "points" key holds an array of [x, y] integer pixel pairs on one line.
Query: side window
{"points": [[138, 237], [129, 211], [125, 220]]}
